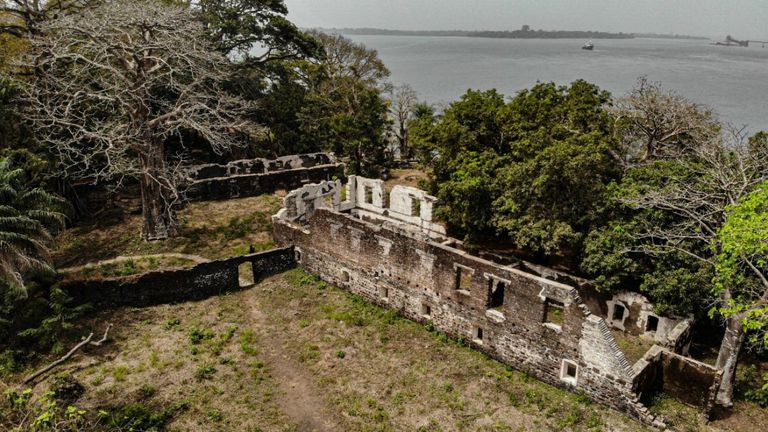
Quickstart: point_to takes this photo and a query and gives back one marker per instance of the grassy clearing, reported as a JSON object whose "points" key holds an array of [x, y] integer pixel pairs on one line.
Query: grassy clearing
{"points": [[296, 354], [209, 229], [633, 347]]}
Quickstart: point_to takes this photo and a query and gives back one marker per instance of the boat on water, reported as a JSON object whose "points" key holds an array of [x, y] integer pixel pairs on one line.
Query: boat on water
{"points": [[589, 46]]}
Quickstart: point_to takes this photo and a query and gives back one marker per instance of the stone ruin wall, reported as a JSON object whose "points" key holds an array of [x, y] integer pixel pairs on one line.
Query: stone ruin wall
{"points": [[176, 285], [252, 177], [238, 179], [406, 267]]}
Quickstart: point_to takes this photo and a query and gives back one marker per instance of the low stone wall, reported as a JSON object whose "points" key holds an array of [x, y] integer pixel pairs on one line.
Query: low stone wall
{"points": [[689, 381], [177, 285], [252, 177]]}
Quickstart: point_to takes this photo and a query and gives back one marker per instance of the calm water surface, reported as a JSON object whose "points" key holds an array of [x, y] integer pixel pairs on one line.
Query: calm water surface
{"points": [[733, 81]]}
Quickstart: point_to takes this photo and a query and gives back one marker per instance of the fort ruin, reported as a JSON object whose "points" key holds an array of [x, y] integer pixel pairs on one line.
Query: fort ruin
{"points": [[387, 248]]}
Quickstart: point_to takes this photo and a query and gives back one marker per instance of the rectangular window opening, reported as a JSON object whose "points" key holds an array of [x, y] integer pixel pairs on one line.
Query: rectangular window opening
{"points": [[426, 310], [415, 207], [652, 323], [569, 372], [618, 312], [463, 279], [368, 194], [554, 312], [384, 293], [496, 294], [477, 334], [344, 276]]}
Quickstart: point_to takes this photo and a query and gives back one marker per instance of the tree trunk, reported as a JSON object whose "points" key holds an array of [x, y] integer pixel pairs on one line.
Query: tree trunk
{"points": [[728, 358], [157, 195]]}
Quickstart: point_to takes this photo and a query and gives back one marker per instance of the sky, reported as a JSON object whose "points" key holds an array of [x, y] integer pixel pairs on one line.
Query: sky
{"points": [[744, 19]]}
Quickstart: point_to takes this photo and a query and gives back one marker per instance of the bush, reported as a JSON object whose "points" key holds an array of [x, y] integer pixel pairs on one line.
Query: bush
{"points": [[197, 335], [759, 395]]}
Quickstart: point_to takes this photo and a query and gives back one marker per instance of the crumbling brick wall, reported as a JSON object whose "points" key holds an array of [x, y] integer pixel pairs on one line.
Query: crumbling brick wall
{"points": [[428, 281], [176, 285], [685, 379], [252, 177]]}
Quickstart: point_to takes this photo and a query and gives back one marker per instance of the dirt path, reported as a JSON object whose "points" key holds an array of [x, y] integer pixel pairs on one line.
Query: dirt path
{"points": [[299, 398]]}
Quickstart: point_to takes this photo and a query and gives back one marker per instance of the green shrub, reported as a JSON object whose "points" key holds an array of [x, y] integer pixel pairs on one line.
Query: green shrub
{"points": [[197, 335], [138, 417], [204, 372], [759, 395]]}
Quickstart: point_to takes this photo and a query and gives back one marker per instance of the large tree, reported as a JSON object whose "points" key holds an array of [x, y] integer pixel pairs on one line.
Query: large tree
{"points": [[256, 32], [654, 123], [532, 170], [345, 110], [115, 83], [402, 102]]}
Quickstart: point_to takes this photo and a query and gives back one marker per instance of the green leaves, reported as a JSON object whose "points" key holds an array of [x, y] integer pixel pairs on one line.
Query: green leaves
{"points": [[742, 264], [533, 170], [28, 219]]}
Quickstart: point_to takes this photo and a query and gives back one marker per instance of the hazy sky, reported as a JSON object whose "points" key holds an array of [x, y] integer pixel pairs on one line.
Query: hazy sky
{"points": [[716, 18]]}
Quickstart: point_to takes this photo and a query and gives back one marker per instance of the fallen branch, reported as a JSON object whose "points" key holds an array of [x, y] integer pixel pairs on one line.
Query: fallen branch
{"points": [[104, 339], [86, 341]]}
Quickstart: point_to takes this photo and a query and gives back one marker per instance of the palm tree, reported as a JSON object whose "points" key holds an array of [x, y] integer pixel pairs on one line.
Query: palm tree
{"points": [[29, 217]]}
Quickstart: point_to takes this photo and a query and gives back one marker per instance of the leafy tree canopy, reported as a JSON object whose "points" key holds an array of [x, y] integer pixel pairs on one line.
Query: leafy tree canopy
{"points": [[538, 165], [742, 264]]}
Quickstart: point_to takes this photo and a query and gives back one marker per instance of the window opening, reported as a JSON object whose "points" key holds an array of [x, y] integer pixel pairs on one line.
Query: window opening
{"points": [[554, 312]]}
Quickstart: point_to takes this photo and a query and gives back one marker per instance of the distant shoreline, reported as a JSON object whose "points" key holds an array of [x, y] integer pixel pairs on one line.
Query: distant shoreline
{"points": [[514, 34]]}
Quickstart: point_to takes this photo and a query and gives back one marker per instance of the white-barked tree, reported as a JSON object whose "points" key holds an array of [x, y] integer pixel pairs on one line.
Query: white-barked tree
{"points": [[113, 84]]}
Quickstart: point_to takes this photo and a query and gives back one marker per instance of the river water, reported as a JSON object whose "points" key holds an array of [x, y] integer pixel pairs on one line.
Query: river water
{"points": [[733, 81]]}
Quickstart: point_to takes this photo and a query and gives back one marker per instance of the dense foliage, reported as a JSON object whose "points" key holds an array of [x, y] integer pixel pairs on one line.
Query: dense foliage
{"points": [[533, 169]]}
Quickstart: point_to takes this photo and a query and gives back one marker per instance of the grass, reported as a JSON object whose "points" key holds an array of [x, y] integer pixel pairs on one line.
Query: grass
{"points": [[262, 352], [210, 229], [633, 347]]}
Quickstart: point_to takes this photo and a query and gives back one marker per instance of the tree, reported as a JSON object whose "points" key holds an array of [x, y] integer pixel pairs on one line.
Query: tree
{"points": [[28, 219], [742, 279], [116, 82], [402, 101], [256, 31], [345, 111], [695, 199], [654, 123], [540, 164]]}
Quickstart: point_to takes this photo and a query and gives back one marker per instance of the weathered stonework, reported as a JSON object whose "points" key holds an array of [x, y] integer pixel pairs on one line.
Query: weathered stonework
{"points": [[177, 285], [252, 177], [383, 254]]}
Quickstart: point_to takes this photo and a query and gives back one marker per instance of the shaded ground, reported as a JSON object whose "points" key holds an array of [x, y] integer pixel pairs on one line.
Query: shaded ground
{"points": [[405, 177], [633, 347], [216, 229]]}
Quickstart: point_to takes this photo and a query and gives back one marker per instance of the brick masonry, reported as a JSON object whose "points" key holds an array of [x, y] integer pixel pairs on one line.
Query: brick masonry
{"points": [[410, 268], [252, 177], [177, 285]]}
